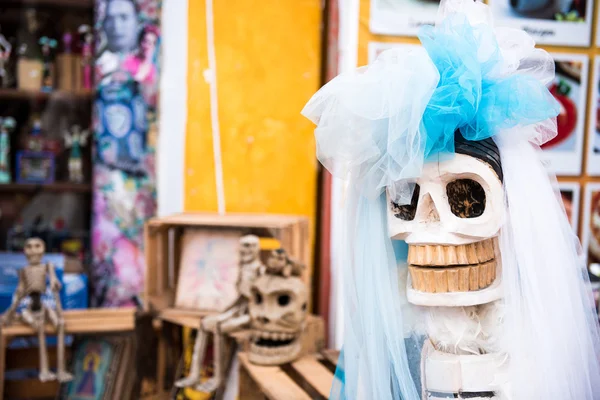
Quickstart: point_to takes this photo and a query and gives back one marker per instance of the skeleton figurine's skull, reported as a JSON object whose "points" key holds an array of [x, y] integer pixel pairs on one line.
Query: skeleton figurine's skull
{"points": [[34, 249], [249, 249], [278, 313], [451, 227]]}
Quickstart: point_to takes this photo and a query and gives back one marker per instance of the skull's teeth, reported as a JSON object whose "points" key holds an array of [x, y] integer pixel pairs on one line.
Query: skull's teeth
{"points": [[441, 256], [453, 279]]}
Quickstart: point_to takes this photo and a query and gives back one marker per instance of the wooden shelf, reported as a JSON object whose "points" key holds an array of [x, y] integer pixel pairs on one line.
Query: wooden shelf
{"points": [[19, 94], [49, 187], [51, 3], [91, 321]]}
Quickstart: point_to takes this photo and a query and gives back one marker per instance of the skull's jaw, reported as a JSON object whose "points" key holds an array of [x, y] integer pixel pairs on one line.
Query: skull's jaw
{"points": [[271, 348], [447, 275]]}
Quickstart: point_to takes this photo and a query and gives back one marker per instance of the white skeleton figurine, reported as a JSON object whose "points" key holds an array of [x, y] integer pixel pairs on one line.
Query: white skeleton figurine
{"points": [[451, 228], [5, 51], [75, 140], [32, 284], [234, 319]]}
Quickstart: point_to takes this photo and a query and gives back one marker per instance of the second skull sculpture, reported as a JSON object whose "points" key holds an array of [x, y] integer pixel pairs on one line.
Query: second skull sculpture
{"points": [[277, 312]]}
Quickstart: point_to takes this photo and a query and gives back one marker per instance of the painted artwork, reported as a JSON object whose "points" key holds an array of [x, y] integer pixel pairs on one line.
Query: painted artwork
{"points": [[401, 17], [209, 268], [569, 87], [593, 155], [95, 362], [556, 22], [569, 193], [125, 129], [591, 236]]}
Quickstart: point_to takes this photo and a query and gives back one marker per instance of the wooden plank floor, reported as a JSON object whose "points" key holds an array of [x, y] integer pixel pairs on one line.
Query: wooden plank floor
{"points": [[306, 378]]}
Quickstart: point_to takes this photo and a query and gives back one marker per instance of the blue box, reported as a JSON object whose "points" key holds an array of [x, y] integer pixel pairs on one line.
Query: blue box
{"points": [[11, 263]]}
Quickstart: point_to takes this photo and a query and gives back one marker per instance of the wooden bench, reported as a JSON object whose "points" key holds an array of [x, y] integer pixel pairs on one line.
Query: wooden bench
{"points": [[309, 377], [88, 321]]}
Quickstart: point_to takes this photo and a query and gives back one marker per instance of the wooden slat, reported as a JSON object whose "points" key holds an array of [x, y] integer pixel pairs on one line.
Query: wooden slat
{"points": [[84, 321], [315, 374], [273, 381], [331, 355], [150, 285], [30, 388], [229, 220]]}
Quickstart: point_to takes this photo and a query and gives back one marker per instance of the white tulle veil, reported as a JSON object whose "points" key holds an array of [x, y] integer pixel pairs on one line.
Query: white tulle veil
{"points": [[373, 127]]}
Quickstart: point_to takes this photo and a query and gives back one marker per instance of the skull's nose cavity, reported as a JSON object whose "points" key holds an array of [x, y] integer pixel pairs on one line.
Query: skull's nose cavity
{"points": [[263, 320], [429, 212]]}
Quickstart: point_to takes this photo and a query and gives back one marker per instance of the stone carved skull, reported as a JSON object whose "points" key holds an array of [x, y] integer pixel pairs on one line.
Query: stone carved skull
{"points": [[278, 313], [450, 226], [34, 249]]}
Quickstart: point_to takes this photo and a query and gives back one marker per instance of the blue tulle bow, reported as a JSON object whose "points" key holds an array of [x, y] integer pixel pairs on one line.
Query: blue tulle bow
{"points": [[471, 96]]}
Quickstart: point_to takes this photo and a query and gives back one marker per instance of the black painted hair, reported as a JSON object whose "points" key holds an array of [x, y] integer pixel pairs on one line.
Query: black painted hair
{"points": [[484, 150]]}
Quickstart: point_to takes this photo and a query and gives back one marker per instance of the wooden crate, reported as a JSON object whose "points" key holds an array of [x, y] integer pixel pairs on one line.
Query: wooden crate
{"points": [[163, 247], [89, 321], [309, 377]]}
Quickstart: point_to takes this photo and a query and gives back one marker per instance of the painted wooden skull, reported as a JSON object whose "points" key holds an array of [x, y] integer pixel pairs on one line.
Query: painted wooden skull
{"points": [[278, 313], [451, 226]]}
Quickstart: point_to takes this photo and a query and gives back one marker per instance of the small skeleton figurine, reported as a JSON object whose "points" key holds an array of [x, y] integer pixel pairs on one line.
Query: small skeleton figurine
{"points": [[32, 284], [7, 125], [75, 140], [5, 51], [280, 264], [234, 319], [48, 46]]}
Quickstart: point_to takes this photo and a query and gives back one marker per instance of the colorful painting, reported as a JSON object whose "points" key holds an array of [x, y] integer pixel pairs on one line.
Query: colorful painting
{"points": [[569, 193], [569, 87], [125, 129], [209, 268], [591, 236], [94, 365], [560, 22], [593, 151]]}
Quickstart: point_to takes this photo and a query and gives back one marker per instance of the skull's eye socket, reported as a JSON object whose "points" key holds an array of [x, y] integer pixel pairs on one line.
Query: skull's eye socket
{"points": [[257, 298], [283, 300], [407, 212], [466, 198]]}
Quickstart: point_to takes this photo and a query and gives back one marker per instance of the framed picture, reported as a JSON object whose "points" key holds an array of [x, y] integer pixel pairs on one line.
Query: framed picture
{"points": [[35, 167], [593, 150], [591, 235], [570, 194], [375, 48], [99, 366], [564, 152], [401, 17], [208, 270], [554, 22]]}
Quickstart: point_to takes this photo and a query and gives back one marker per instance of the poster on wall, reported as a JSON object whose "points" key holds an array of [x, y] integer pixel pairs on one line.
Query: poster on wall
{"points": [[569, 87], [376, 48], [593, 150], [570, 193], [555, 22], [401, 17], [125, 129], [591, 235]]}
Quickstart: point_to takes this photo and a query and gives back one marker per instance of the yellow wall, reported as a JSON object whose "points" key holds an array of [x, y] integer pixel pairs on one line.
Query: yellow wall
{"points": [[268, 63], [268, 66]]}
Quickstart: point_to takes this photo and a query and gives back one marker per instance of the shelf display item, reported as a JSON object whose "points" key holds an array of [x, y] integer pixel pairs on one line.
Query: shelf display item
{"points": [[277, 309], [48, 47], [32, 283], [5, 52], [235, 318], [35, 167], [87, 56], [75, 140], [462, 274], [7, 125]]}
